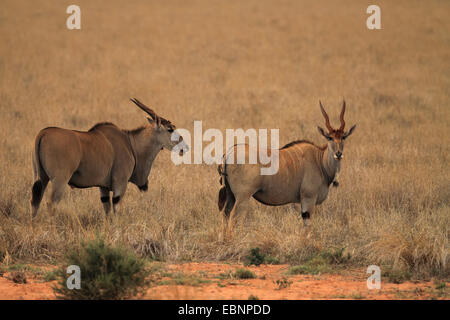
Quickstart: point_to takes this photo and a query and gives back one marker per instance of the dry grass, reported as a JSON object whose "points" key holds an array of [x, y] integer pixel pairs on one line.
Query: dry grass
{"points": [[234, 64]]}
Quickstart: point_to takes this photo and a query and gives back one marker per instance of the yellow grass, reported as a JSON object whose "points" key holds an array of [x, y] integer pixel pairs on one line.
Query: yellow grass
{"points": [[232, 64]]}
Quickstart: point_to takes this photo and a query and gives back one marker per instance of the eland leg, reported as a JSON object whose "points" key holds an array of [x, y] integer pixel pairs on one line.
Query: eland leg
{"points": [[118, 193], [58, 185], [106, 200], [239, 206], [308, 204]]}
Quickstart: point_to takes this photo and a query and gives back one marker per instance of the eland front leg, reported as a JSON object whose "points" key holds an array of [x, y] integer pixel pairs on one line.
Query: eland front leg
{"points": [[106, 200], [118, 189], [308, 203]]}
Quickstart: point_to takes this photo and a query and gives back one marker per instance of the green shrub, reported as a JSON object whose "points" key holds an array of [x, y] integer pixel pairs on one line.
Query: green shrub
{"points": [[283, 283], [244, 274], [106, 273], [255, 257]]}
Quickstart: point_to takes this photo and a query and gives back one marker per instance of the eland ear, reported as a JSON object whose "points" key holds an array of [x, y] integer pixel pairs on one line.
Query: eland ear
{"points": [[349, 132], [322, 132]]}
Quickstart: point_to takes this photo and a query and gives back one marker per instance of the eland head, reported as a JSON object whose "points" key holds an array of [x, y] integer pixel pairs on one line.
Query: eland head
{"points": [[335, 137], [164, 131]]}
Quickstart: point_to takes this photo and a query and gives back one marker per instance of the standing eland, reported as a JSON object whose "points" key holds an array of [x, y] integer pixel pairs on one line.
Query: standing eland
{"points": [[105, 156], [305, 174]]}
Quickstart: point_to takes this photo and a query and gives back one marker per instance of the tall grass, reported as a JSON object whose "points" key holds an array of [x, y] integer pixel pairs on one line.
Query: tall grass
{"points": [[232, 64]]}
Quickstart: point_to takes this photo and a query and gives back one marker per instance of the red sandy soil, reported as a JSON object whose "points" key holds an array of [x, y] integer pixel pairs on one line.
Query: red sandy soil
{"points": [[348, 285]]}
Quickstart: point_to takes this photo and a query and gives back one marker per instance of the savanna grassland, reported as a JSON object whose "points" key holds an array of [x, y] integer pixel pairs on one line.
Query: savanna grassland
{"points": [[236, 64]]}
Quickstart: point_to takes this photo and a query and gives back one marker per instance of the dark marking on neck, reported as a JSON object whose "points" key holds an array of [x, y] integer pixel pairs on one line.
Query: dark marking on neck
{"points": [[327, 177]]}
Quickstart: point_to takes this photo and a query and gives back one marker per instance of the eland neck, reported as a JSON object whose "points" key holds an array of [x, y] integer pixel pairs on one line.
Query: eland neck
{"points": [[145, 148], [330, 166]]}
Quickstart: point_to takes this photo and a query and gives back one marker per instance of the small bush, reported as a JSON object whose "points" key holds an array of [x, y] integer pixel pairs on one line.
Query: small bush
{"points": [[255, 257], [244, 274], [106, 273], [253, 297], [283, 283], [18, 277]]}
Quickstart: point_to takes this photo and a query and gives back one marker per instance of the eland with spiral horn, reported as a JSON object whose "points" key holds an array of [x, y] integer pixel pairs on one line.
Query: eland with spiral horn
{"points": [[106, 157], [305, 174]]}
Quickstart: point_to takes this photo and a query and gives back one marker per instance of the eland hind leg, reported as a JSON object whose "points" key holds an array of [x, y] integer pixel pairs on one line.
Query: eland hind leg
{"points": [[242, 191], [240, 205], [58, 186]]}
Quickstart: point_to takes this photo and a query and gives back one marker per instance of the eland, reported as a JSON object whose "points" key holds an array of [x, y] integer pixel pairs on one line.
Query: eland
{"points": [[305, 174], [106, 157]]}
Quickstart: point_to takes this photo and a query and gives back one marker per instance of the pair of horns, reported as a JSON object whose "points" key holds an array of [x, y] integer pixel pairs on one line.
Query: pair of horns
{"points": [[327, 120], [159, 120]]}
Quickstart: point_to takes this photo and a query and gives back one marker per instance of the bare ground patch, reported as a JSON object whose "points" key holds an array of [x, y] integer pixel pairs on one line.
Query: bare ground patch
{"points": [[218, 281]]}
